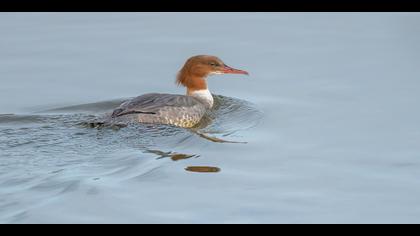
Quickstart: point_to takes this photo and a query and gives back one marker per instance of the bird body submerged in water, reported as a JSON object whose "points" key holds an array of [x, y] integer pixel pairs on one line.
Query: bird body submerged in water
{"points": [[179, 110]]}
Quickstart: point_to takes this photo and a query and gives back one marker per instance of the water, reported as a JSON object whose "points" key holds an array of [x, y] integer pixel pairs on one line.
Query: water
{"points": [[326, 124]]}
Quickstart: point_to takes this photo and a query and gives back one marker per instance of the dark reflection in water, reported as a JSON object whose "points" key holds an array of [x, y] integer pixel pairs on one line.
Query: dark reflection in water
{"points": [[180, 156], [173, 156], [215, 139], [203, 169]]}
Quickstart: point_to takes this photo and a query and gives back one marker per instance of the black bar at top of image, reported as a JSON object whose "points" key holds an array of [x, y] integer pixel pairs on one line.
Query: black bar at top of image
{"points": [[208, 5]]}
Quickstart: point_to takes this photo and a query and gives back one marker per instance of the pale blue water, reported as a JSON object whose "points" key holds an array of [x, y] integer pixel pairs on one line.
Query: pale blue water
{"points": [[329, 115]]}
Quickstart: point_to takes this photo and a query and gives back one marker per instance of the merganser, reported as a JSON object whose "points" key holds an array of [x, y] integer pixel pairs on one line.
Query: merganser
{"points": [[178, 110]]}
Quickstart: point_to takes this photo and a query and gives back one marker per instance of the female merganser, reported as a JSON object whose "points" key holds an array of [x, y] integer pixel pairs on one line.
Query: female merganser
{"points": [[179, 110]]}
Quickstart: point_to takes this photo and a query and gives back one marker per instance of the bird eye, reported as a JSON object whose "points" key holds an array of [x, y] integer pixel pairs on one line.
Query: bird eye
{"points": [[213, 64]]}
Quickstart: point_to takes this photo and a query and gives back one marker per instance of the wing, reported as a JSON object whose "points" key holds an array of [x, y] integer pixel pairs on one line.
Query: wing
{"points": [[153, 103]]}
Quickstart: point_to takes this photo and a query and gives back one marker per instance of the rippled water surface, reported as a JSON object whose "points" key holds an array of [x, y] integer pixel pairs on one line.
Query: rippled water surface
{"points": [[324, 130]]}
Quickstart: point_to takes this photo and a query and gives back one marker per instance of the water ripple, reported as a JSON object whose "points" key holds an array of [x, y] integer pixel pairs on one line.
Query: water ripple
{"points": [[52, 152]]}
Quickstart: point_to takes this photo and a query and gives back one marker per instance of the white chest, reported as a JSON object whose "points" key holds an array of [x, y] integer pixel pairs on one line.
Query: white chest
{"points": [[204, 95]]}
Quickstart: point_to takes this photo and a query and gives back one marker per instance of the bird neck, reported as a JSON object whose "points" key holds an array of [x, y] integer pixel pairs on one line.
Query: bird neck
{"points": [[196, 85], [203, 95]]}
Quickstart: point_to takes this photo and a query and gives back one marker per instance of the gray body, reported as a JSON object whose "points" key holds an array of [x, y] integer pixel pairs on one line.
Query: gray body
{"points": [[157, 108]]}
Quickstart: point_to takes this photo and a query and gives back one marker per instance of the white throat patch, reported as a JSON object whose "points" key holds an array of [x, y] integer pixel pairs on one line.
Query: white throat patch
{"points": [[204, 95]]}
